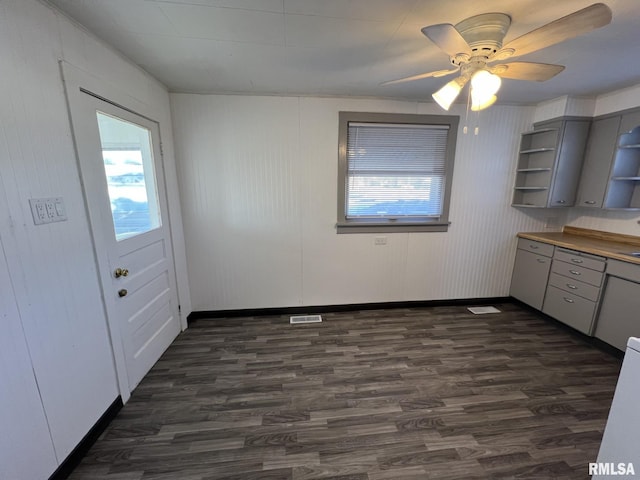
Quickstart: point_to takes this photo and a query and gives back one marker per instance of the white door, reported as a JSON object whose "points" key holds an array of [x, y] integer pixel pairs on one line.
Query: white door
{"points": [[120, 161]]}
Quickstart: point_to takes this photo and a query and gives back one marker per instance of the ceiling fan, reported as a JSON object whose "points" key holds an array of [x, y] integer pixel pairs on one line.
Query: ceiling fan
{"points": [[475, 46]]}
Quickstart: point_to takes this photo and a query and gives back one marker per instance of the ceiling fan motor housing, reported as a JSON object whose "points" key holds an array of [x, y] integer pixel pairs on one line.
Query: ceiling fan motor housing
{"points": [[484, 34]]}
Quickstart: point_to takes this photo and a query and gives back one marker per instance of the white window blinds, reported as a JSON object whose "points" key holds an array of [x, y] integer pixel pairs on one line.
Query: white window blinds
{"points": [[395, 170]]}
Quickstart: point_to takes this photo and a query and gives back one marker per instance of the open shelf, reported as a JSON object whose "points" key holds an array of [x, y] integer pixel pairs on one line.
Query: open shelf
{"points": [[533, 170], [549, 163], [623, 191], [537, 150], [542, 130]]}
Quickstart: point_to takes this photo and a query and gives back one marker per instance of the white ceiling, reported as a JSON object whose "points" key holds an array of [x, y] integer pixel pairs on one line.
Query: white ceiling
{"points": [[347, 47]]}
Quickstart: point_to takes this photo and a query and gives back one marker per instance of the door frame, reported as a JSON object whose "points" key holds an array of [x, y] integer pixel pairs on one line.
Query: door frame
{"points": [[77, 84]]}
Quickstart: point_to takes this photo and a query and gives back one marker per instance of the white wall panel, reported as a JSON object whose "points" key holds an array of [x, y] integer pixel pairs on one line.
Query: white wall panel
{"points": [[564, 106], [241, 199], [52, 267], [580, 107], [606, 220], [474, 259], [26, 449], [305, 262], [550, 109], [618, 100]]}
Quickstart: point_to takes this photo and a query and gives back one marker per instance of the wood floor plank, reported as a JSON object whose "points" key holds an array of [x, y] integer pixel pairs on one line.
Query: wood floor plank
{"points": [[422, 393]]}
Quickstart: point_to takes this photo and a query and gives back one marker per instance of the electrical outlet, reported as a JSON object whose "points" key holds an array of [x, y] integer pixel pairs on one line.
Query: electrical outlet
{"points": [[51, 209], [47, 210], [380, 241]]}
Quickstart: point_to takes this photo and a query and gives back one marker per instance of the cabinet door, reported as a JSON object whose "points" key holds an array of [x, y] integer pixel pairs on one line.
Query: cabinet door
{"points": [[529, 279], [569, 164], [618, 319], [26, 449], [595, 171]]}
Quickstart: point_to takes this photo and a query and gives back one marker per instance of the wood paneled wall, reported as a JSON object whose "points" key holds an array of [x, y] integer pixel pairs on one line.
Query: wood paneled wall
{"points": [[258, 179]]}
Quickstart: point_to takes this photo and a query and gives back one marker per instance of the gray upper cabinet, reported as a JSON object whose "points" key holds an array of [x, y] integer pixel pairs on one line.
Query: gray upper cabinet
{"points": [[549, 163], [597, 163], [623, 188], [611, 172]]}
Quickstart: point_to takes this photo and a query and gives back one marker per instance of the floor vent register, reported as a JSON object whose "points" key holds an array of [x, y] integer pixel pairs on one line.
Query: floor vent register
{"points": [[483, 310], [305, 319]]}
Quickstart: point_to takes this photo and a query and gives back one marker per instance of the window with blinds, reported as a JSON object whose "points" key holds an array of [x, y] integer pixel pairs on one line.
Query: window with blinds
{"points": [[395, 171]]}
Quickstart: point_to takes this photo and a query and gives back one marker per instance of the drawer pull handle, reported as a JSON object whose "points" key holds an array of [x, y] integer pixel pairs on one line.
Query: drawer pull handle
{"points": [[533, 247], [568, 300], [572, 287], [561, 201], [576, 260], [590, 202], [540, 260], [573, 272]]}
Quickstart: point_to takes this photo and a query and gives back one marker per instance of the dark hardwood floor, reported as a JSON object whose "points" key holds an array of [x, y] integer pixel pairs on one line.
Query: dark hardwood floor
{"points": [[431, 393]]}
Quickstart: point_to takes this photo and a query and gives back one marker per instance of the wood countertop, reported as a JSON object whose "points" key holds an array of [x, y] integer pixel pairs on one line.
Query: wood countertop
{"points": [[596, 242]]}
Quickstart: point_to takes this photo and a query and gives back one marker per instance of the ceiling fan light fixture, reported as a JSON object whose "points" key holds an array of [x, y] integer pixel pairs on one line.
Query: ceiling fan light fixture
{"points": [[484, 86], [486, 83], [481, 102], [447, 94]]}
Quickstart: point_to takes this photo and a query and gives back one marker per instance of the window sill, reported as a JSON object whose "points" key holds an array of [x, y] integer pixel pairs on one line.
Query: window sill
{"points": [[391, 227]]}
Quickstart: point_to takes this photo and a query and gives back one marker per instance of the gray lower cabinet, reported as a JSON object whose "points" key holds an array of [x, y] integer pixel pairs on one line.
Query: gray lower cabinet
{"points": [[574, 288], [619, 316], [531, 271], [595, 295]]}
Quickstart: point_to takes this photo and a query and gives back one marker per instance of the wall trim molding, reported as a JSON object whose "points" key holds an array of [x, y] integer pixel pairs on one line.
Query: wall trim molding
{"points": [[350, 307], [77, 454]]}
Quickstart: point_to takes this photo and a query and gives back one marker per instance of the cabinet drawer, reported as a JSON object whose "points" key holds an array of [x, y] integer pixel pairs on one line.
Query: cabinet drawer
{"points": [[581, 259], [577, 273], [536, 247], [626, 270], [575, 311], [575, 287]]}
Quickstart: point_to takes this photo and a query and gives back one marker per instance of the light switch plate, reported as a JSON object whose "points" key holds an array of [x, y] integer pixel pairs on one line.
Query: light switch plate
{"points": [[47, 210]]}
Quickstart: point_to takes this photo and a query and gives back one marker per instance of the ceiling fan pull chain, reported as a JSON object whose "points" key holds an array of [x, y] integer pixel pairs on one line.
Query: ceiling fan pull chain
{"points": [[466, 115]]}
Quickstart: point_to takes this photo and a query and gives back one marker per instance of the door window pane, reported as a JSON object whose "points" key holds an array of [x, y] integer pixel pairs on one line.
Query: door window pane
{"points": [[127, 155]]}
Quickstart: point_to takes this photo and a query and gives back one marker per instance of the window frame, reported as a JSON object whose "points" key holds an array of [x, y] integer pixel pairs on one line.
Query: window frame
{"points": [[382, 224]]}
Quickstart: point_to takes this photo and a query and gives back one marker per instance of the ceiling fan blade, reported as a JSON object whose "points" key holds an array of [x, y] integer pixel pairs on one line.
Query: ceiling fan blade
{"points": [[437, 73], [538, 72], [573, 25], [447, 38]]}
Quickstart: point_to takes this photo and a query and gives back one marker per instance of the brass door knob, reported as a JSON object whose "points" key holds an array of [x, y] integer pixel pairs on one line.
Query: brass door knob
{"points": [[120, 272], [122, 293]]}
